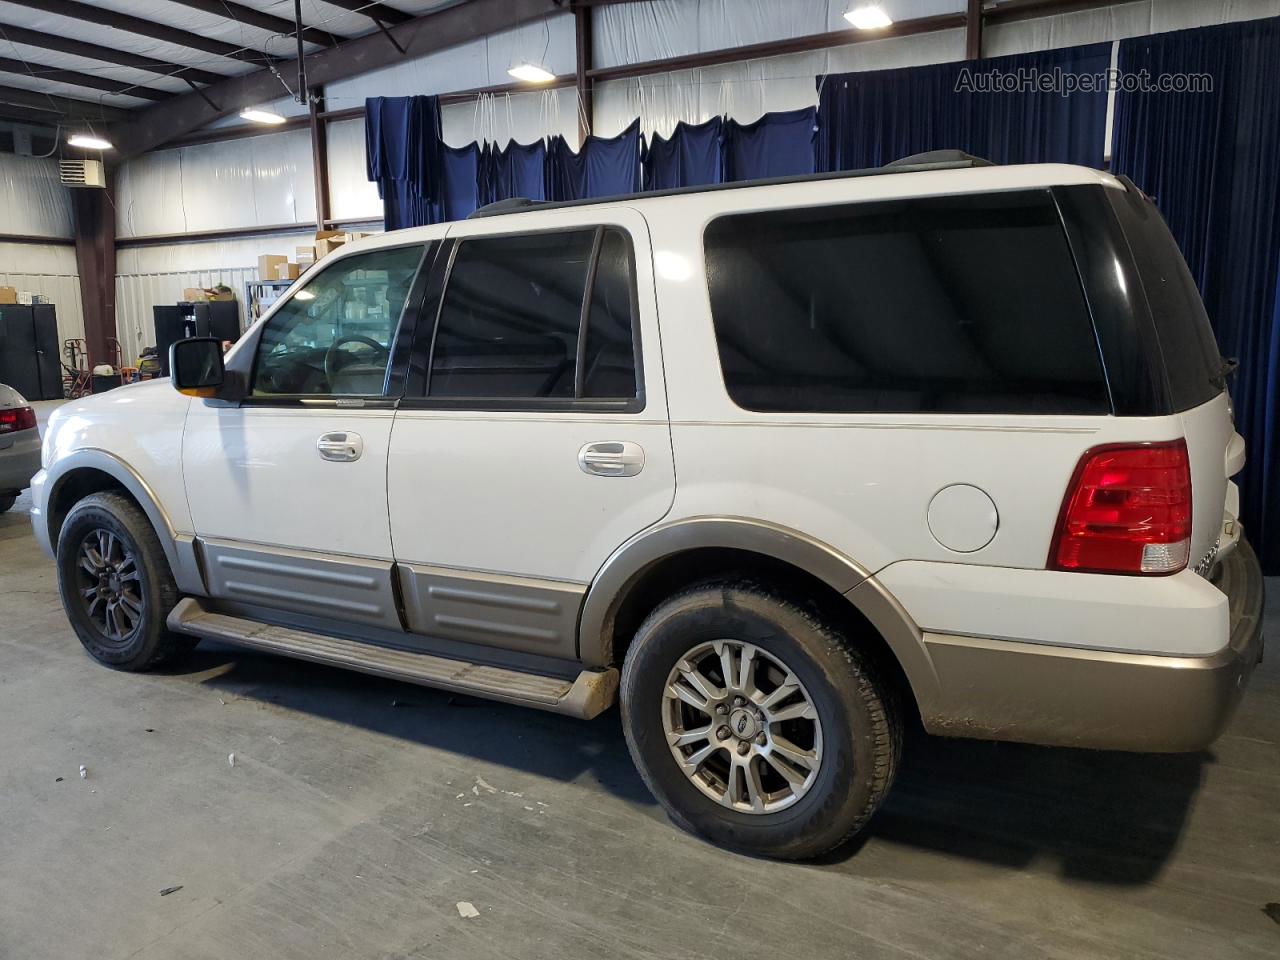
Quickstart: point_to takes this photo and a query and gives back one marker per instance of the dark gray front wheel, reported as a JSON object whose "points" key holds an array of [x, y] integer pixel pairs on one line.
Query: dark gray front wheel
{"points": [[115, 583], [756, 724]]}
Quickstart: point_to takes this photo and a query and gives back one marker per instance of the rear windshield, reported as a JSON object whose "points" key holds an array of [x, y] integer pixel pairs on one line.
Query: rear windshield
{"points": [[1191, 357], [954, 304]]}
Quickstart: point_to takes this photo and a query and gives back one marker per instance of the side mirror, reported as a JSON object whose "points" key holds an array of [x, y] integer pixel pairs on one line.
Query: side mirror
{"points": [[195, 366]]}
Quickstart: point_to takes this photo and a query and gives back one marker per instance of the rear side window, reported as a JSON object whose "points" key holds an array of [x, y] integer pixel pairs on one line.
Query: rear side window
{"points": [[957, 304], [1192, 360], [537, 316]]}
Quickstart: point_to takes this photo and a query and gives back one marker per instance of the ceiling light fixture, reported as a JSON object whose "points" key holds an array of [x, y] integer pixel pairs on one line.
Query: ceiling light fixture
{"points": [[260, 116], [531, 73], [87, 142], [870, 17]]}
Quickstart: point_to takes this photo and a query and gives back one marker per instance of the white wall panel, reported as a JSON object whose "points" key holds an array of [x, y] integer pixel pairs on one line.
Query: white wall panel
{"points": [[351, 194], [522, 117], [48, 270], [746, 89], [255, 181], [658, 29], [478, 63], [1180, 14], [146, 276], [32, 200]]}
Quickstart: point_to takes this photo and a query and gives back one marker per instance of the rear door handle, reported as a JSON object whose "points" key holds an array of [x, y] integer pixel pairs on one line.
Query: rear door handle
{"points": [[341, 446], [611, 458]]}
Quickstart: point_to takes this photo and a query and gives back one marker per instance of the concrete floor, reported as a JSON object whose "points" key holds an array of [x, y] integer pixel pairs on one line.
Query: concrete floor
{"points": [[359, 813]]}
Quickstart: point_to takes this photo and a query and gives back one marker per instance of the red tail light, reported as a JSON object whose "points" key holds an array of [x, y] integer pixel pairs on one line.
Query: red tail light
{"points": [[1128, 510], [17, 418]]}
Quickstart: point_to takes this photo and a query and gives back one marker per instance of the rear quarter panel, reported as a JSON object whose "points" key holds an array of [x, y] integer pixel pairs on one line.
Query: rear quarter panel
{"points": [[859, 482]]}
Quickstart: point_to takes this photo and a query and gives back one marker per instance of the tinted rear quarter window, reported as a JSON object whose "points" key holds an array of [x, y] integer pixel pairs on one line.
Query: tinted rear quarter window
{"points": [[1192, 361], [956, 304]]}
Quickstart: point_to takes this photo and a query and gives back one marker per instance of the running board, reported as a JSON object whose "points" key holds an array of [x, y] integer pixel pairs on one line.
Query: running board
{"points": [[586, 696]]}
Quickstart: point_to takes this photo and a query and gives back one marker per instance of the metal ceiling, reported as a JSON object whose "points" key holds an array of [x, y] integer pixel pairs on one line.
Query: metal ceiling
{"points": [[86, 61]]}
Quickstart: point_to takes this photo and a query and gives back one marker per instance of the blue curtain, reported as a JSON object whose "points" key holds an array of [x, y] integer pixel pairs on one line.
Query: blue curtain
{"points": [[460, 192], [692, 156], [602, 168], [403, 156], [872, 118], [1211, 162], [517, 170], [776, 145]]}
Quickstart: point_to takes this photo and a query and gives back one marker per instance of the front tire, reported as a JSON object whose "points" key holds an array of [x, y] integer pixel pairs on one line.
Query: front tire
{"points": [[115, 583], [756, 724], [7, 500]]}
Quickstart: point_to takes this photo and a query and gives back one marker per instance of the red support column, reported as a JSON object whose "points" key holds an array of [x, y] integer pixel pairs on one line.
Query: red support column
{"points": [[95, 236]]}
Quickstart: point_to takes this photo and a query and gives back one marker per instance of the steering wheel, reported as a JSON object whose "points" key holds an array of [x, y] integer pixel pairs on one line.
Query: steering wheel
{"points": [[331, 355]]}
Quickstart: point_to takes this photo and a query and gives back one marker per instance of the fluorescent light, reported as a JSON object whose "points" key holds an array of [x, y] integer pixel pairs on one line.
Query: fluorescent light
{"points": [[870, 17], [88, 142], [531, 73], [260, 116]]}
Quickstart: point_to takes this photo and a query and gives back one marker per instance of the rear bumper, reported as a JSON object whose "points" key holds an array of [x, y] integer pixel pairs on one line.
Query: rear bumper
{"points": [[1069, 696], [19, 462]]}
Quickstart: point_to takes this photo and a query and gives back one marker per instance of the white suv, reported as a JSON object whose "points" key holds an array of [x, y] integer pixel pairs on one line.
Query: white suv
{"points": [[775, 465]]}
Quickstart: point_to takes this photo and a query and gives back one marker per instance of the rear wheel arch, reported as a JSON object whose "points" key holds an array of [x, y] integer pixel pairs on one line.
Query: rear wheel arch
{"points": [[670, 558]]}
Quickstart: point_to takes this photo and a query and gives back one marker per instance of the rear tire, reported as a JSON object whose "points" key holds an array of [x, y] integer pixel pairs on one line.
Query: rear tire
{"points": [[808, 695], [116, 585]]}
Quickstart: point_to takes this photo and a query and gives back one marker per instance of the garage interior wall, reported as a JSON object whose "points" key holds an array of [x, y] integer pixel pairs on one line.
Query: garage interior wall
{"points": [[267, 180], [34, 203]]}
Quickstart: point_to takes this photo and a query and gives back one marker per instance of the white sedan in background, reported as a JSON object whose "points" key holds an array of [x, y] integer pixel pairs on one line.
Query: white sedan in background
{"points": [[19, 446]]}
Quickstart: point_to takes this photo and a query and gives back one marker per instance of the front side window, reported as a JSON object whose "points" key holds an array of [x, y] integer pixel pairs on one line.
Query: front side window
{"points": [[539, 316], [932, 305], [333, 336]]}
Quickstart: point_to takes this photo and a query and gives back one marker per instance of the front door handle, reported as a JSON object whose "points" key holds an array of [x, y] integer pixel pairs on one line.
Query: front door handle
{"points": [[611, 458], [341, 446]]}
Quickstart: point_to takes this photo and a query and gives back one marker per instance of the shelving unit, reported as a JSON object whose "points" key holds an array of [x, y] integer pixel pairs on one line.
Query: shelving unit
{"points": [[259, 295]]}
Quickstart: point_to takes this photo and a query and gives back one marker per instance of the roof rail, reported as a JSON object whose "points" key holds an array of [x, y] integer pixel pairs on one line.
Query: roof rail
{"points": [[920, 162], [940, 160], [509, 205]]}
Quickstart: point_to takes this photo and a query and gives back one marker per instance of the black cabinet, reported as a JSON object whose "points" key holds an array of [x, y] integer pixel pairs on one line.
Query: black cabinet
{"points": [[29, 351], [217, 318]]}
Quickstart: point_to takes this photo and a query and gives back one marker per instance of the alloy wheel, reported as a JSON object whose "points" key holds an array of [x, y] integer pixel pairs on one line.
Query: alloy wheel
{"points": [[742, 727], [109, 585]]}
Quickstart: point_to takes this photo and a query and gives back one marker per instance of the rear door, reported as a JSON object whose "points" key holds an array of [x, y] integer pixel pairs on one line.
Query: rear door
{"points": [[533, 438]]}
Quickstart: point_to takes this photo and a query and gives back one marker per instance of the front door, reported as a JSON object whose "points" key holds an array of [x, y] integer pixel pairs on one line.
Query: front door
{"points": [[288, 490], [537, 441]]}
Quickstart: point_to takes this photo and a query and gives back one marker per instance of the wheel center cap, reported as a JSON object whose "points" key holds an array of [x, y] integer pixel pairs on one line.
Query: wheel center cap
{"points": [[113, 584], [743, 724]]}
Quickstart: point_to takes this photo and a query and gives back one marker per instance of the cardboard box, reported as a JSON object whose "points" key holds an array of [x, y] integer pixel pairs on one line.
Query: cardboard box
{"points": [[326, 246], [286, 271], [214, 295], [267, 264], [307, 253], [8, 295], [194, 295]]}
